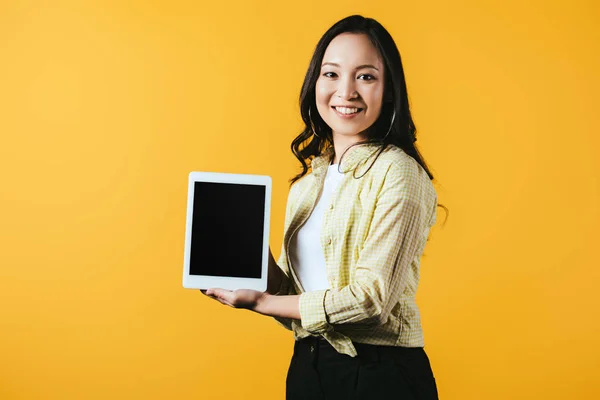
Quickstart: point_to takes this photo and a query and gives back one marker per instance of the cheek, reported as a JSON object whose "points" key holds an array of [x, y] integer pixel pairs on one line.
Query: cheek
{"points": [[376, 98], [322, 99], [321, 92]]}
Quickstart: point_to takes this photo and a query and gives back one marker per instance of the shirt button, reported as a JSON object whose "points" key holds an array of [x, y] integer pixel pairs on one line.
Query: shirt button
{"points": [[331, 206], [312, 348], [329, 241]]}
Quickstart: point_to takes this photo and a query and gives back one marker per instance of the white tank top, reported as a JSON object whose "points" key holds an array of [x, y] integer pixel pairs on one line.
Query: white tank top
{"points": [[306, 253]]}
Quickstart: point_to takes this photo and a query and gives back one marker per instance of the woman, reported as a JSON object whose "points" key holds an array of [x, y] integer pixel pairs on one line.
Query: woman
{"points": [[355, 228]]}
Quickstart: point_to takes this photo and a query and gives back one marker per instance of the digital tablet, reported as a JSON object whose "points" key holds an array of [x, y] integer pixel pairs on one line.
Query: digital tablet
{"points": [[227, 231]]}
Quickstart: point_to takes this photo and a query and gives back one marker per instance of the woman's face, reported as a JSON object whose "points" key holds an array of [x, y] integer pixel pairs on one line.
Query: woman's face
{"points": [[349, 90]]}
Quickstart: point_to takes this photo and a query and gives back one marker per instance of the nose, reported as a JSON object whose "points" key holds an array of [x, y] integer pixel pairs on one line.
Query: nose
{"points": [[346, 88]]}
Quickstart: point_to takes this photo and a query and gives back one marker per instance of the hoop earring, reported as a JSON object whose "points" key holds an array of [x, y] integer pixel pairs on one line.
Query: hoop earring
{"points": [[312, 125], [391, 124]]}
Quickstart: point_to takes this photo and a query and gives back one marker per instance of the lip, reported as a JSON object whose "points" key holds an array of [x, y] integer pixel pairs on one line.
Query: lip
{"points": [[347, 116]]}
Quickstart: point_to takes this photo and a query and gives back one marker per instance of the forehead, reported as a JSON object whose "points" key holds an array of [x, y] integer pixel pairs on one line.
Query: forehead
{"points": [[352, 49]]}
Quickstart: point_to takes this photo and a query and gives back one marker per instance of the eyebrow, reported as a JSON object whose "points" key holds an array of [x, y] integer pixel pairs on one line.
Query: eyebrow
{"points": [[359, 67]]}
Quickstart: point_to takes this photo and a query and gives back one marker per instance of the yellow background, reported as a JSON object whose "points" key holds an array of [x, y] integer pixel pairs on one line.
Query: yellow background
{"points": [[105, 107]]}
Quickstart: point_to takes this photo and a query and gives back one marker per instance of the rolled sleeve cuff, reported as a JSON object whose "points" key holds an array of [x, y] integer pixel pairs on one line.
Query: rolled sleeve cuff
{"points": [[312, 312]]}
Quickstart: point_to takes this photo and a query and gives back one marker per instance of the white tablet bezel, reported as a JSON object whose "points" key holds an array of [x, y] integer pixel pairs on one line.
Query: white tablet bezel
{"points": [[230, 283]]}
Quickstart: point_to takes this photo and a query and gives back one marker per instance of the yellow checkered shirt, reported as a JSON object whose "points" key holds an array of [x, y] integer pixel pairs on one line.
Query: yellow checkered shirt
{"points": [[373, 234]]}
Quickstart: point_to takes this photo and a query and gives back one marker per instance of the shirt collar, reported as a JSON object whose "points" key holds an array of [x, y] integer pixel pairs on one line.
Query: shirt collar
{"points": [[351, 159]]}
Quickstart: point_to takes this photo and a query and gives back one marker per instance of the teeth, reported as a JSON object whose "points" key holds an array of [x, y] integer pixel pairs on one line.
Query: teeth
{"points": [[347, 110]]}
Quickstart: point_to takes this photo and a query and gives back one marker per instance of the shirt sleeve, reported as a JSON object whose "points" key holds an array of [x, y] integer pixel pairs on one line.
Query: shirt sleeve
{"points": [[286, 282], [395, 234]]}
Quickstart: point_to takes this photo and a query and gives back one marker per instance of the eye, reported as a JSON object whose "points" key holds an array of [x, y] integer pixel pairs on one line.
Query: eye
{"points": [[368, 77], [329, 74]]}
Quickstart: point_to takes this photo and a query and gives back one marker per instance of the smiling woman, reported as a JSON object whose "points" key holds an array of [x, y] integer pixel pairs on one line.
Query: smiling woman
{"points": [[346, 280]]}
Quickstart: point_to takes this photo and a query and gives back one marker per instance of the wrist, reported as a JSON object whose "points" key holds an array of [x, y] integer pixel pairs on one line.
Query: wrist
{"points": [[262, 303]]}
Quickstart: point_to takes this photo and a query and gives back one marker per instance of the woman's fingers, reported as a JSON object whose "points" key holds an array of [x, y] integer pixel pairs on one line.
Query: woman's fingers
{"points": [[241, 298], [222, 295], [217, 292], [210, 294]]}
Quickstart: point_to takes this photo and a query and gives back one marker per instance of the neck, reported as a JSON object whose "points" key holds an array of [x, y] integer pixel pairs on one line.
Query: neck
{"points": [[341, 143]]}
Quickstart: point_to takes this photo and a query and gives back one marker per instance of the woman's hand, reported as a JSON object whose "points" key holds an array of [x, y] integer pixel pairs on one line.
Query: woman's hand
{"points": [[260, 302], [240, 298]]}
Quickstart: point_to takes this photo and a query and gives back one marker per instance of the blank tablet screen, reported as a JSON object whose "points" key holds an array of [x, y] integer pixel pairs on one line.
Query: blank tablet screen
{"points": [[227, 230]]}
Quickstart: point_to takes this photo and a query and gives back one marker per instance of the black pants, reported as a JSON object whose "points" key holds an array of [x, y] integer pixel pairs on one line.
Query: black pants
{"points": [[318, 372]]}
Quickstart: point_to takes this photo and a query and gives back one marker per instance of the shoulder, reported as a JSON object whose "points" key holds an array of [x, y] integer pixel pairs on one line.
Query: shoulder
{"points": [[394, 162], [301, 184], [299, 187], [400, 172]]}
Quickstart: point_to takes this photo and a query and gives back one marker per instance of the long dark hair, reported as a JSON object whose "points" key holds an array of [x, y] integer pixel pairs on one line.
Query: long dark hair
{"points": [[402, 132]]}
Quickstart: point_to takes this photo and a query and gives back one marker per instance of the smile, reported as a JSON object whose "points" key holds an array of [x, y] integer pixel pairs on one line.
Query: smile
{"points": [[347, 112]]}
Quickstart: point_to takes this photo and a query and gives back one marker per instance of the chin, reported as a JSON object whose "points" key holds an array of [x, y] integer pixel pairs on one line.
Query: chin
{"points": [[345, 131]]}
